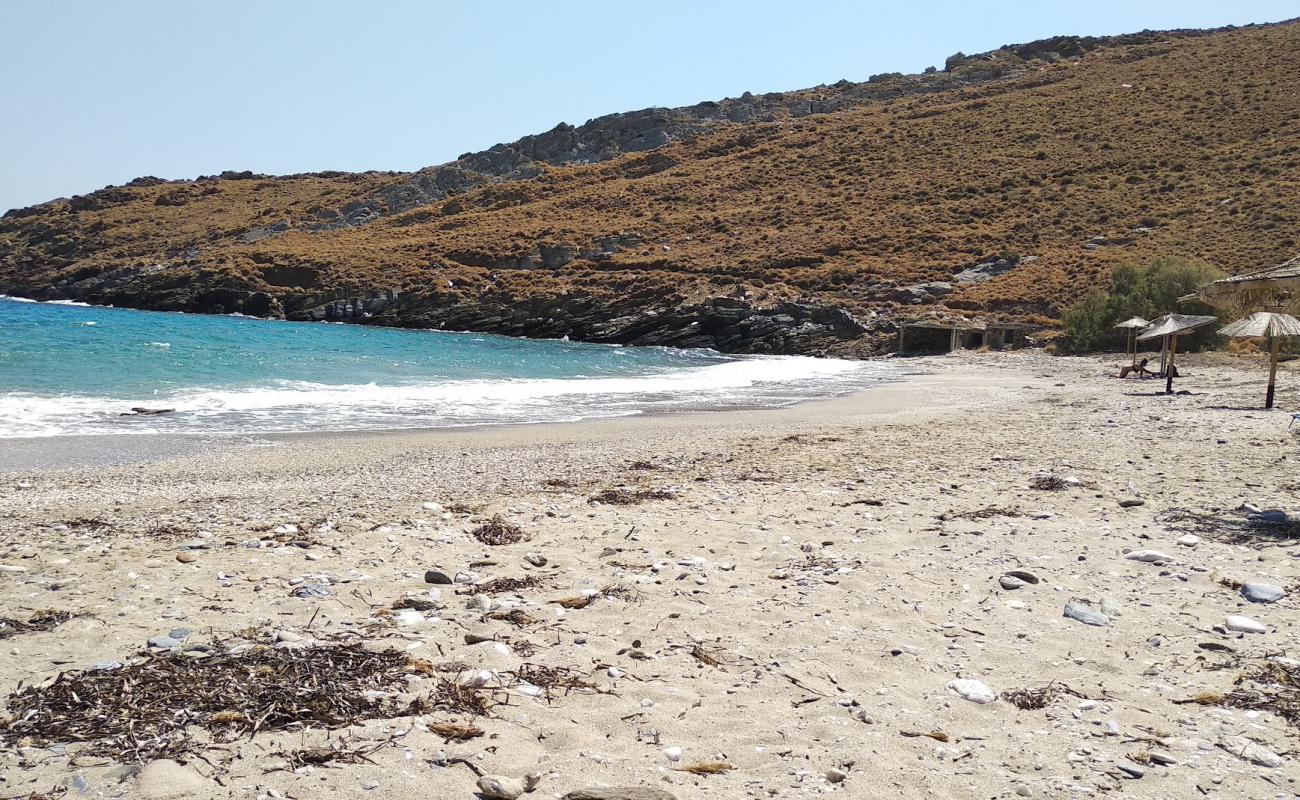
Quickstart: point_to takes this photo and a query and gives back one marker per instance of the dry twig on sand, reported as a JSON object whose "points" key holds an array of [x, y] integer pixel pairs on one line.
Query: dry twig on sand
{"points": [[1268, 685], [707, 768]]}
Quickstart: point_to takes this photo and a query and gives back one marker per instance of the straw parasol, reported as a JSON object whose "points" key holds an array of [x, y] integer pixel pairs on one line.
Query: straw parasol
{"points": [[1275, 286], [1272, 324], [1131, 324], [1169, 327]]}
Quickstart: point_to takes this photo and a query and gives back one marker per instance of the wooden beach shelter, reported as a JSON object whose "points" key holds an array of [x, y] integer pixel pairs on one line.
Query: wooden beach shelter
{"points": [[1272, 324], [1168, 328], [1132, 324]]}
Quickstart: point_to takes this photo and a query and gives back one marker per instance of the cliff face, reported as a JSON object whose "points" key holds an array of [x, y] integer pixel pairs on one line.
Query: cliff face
{"points": [[1005, 184]]}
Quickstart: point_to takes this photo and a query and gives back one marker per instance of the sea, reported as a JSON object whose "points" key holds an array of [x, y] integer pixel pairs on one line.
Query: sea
{"points": [[71, 369]]}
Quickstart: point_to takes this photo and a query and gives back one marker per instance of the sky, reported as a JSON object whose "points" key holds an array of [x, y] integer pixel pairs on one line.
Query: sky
{"points": [[96, 93]]}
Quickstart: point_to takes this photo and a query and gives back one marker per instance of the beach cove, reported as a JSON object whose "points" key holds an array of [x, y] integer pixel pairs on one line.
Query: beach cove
{"points": [[860, 595]]}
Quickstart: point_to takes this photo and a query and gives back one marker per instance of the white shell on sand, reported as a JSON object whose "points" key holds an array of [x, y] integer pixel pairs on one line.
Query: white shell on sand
{"points": [[972, 690], [1242, 624]]}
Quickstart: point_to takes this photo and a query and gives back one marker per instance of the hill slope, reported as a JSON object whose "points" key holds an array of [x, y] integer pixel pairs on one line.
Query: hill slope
{"points": [[1005, 185]]}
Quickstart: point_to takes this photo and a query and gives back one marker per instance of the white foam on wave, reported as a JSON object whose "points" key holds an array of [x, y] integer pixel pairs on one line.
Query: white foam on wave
{"points": [[300, 406], [13, 299]]}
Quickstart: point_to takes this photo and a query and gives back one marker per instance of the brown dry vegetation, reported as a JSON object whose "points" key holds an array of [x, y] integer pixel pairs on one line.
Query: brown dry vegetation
{"points": [[1197, 139]]}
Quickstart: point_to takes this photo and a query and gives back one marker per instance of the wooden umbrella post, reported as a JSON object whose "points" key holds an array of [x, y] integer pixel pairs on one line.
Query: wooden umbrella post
{"points": [[1132, 343], [1276, 342], [1169, 365]]}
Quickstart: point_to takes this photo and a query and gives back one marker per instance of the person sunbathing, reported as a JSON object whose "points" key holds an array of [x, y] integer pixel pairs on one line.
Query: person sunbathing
{"points": [[1140, 370]]}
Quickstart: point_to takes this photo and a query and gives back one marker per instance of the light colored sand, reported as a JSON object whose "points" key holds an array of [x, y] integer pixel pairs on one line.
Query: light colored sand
{"points": [[810, 599]]}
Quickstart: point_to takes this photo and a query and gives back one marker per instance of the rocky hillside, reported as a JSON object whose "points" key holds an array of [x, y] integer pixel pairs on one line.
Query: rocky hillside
{"points": [[1004, 185]]}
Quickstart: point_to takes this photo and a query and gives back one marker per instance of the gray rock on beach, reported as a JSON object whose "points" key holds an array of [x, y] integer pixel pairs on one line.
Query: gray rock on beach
{"points": [[1149, 556], [499, 787], [1262, 592], [1255, 753], [1086, 615]]}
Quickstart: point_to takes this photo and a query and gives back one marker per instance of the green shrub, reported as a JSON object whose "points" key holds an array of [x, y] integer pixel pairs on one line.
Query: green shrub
{"points": [[1149, 292]]}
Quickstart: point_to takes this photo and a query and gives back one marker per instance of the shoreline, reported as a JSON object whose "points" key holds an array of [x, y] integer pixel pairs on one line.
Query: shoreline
{"points": [[85, 450]]}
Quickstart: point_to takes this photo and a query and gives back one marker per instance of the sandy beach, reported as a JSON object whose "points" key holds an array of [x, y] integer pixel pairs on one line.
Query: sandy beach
{"points": [[783, 603]]}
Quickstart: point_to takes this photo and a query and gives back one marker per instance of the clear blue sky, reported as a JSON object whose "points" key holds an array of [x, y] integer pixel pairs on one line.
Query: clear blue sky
{"points": [[101, 91]]}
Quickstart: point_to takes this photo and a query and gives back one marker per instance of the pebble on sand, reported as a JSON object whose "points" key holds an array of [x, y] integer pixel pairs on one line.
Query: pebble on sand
{"points": [[1149, 556], [1086, 615], [498, 787]]}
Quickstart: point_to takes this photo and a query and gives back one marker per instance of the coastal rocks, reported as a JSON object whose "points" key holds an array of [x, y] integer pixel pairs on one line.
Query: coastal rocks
{"points": [[1131, 502], [167, 780], [1262, 592], [619, 793], [1085, 614], [987, 270], [1240, 624], [972, 690], [919, 293]]}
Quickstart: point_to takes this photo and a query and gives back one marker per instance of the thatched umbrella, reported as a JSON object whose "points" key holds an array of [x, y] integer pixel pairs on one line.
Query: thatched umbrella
{"points": [[1275, 286], [1131, 324], [1168, 328], [1265, 323]]}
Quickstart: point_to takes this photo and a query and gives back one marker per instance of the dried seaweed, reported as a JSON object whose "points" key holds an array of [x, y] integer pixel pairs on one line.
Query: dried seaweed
{"points": [[1034, 698], [324, 756], [141, 711], [1231, 529], [988, 512], [644, 466], [1049, 483], [41, 621], [417, 603], [504, 585], [517, 617], [551, 679], [452, 696], [629, 497], [620, 592], [1269, 685], [497, 531]]}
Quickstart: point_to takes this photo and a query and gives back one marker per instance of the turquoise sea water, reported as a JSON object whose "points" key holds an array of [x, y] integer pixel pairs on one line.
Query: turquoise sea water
{"points": [[72, 369]]}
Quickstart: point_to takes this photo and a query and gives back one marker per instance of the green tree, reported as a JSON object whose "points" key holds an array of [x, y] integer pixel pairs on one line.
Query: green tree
{"points": [[1149, 292]]}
